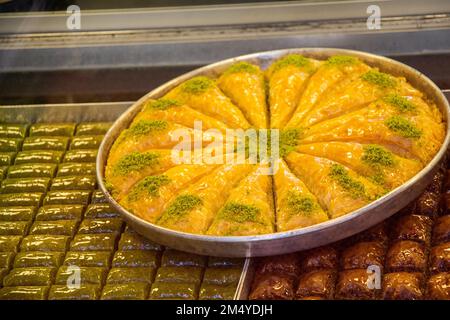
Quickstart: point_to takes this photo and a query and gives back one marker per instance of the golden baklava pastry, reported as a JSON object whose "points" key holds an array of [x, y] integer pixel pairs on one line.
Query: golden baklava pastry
{"points": [[244, 83], [332, 136]]}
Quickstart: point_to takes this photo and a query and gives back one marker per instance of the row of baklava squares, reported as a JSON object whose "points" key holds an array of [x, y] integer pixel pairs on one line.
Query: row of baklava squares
{"points": [[50, 158], [37, 273], [44, 143], [412, 250], [137, 267]]}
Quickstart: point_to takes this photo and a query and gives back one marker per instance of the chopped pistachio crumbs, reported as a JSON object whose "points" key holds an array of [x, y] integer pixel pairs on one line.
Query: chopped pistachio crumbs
{"points": [[144, 127], [238, 212], [149, 185], [136, 161], [403, 127], [380, 79], [300, 204], [289, 140], [376, 156], [295, 60], [197, 85], [341, 60], [354, 187], [162, 104], [378, 178], [109, 186], [242, 67], [182, 205], [400, 103]]}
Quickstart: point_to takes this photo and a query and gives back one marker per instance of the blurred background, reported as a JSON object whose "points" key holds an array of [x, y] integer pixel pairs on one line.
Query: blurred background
{"points": [[125, 48]]}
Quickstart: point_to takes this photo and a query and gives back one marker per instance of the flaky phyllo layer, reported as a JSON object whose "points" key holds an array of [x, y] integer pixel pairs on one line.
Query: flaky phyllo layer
{"points": [[348, 134]]}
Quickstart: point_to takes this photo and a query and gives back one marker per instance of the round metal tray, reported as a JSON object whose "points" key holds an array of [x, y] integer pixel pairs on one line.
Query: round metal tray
{"points": [[299, 239]]}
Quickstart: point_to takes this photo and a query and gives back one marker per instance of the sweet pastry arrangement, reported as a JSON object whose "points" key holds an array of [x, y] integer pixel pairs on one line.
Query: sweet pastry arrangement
{"points": [[54, 222], [410, 251], [348, 134]]}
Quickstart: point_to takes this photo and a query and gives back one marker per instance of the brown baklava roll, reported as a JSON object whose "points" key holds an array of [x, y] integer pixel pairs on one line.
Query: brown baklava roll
{"points": [[428, 204], [288, 264], [402, 286], [362, 255], [276, 277], [406, 255], [272, 287], [413, 227], [438, 286], [354, 285], [440, 258], [319, 283], [437, 182], [441, 230], [320, 258], [378, 233]]}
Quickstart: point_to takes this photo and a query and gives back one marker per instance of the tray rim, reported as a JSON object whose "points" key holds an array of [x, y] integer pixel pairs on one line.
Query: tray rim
{"points": [[260, 245]]}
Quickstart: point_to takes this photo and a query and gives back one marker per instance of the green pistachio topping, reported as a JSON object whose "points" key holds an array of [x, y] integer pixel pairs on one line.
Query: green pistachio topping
{"points": [[354, 187], [141, 128], [300, 204], [136, 161], [289, 140], [341, 60], [378, 178], [375, 155], [295, 60], [145, 127], [242, 67], [400, 103], [403, 127], [109, 186], [380, 79], [182, 205], [240, 213], [162, 104], [149, 186], [197, 85]]}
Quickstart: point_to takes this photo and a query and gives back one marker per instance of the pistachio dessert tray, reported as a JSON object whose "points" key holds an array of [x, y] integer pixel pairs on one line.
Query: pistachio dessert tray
{"points": [[61, 239], [54, 221]]}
